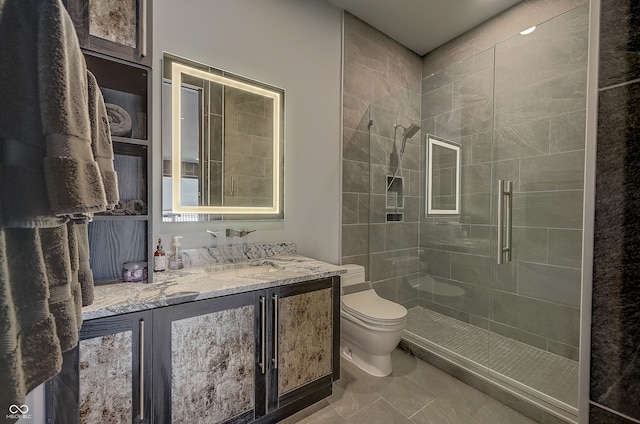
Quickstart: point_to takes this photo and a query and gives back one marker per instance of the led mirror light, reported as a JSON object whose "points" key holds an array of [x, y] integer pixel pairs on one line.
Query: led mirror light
{"points": [[179, 71]]}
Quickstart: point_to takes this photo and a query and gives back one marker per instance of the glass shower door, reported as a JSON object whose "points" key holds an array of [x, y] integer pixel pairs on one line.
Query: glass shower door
{"points": [[538, 158]]}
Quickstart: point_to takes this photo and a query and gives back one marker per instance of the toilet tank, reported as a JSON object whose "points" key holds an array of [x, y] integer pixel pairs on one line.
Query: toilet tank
{"points": [[354, 275]]}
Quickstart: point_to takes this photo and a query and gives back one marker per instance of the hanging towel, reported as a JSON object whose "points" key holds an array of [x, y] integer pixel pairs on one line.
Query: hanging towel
{"points": [[48, 176], [101, 141]]}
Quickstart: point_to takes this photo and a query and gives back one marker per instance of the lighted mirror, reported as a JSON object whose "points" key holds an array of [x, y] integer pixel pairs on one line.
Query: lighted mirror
{"points": [[443, 177], [222, 145]]}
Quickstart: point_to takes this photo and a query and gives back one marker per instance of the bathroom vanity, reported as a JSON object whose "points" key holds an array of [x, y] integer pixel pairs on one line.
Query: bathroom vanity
{"points": [[250, 340]]}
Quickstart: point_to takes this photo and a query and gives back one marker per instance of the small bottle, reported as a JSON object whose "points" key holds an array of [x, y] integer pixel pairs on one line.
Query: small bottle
{"points": [[159, 258], [175, 260]]}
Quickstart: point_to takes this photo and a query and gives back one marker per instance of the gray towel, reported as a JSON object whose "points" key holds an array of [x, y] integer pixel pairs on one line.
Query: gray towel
{"points": [[85, 275], [48, 173], [119, 120], [101, 141], [37, 350]]}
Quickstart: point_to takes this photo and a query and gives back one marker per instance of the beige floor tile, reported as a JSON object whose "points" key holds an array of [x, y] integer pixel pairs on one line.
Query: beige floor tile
{"points": [[405, 395], [379, 412], [415, 392], [352, 393]]}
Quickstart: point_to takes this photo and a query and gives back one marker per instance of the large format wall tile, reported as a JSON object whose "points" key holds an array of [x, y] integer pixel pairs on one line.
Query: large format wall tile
{"points": [[615, 329], [551, 320], [602, 416], [619, 41]]}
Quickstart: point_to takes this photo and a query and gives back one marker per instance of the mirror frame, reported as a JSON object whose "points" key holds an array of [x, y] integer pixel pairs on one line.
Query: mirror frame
{"points": [[184, 67], [440, 142]]}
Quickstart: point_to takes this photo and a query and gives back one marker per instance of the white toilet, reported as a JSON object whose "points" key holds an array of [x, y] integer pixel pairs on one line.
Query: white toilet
{"points": [[371, 327]]}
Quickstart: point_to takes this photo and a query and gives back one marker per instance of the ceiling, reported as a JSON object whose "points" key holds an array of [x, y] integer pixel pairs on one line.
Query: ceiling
{"points": [[423, 25]]}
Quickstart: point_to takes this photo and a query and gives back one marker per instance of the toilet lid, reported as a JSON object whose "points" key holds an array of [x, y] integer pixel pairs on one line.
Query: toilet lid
{"points": [[369, 306]]}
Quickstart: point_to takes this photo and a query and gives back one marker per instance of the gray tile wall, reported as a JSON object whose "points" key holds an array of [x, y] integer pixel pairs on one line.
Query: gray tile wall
{"points": [[539, 144], [381, 84], [249, 149], [526, 126], [615, 328]]}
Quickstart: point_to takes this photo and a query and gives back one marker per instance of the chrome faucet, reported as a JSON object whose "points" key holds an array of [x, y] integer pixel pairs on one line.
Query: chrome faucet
{"points": [[214, 234], [238, 233]]}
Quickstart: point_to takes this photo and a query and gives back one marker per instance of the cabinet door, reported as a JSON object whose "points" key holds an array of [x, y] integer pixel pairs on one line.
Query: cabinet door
{"points": [[303, 340], [107, 377], [119, 28], [205, 355]]}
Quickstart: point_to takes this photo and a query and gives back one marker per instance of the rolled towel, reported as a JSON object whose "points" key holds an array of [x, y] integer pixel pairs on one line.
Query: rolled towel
{"points": [[119, 209], [119, 120], [136, 207]]}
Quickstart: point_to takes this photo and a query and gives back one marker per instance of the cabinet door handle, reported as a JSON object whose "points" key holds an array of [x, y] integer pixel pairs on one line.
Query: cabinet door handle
{"points": [[141, 368], [276, 318], [143, 29], [263, 333]]}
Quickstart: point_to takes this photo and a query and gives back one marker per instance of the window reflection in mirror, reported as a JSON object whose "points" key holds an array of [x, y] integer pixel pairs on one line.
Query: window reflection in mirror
{"points": [[226, 132], [443, 177]]}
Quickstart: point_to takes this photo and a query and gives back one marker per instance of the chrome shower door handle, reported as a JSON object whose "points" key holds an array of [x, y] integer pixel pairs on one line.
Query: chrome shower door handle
{"points": [[508, 246], [504, 231]]}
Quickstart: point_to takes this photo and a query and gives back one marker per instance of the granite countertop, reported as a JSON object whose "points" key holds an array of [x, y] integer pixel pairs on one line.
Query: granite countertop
{"points": [[210, 276]]}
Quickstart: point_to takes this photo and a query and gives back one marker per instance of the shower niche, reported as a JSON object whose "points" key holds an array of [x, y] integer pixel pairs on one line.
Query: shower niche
{"points": [[394, 199], [395, 195]]}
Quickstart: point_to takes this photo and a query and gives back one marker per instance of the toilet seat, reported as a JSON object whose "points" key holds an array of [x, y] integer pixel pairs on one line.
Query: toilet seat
{"points": [[370, 308]]}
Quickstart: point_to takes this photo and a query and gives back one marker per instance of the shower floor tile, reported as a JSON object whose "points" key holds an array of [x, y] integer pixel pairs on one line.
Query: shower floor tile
{"points": [[545, 372]]}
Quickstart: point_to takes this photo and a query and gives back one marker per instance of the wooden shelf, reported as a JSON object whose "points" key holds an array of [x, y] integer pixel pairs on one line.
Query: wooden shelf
{"points": [[128, 140], [104, 217]]}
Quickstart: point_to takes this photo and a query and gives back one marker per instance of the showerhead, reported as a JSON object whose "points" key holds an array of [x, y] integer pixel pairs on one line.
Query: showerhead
{"points": [[407, 134], [411, 131]]}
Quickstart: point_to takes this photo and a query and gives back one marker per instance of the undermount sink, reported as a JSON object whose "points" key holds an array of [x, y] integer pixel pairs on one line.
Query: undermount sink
{"points": [[247, 270]]}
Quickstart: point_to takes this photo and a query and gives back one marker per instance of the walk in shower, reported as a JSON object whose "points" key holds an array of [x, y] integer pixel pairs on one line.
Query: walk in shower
{"points": [[516, 112]]}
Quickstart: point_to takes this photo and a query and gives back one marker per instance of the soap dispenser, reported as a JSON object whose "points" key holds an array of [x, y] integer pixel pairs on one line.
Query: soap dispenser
{"points": [[175, 260]]}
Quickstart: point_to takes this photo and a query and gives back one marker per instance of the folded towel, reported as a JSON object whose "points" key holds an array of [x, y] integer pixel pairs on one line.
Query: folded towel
{"points": [[131, 207], [136, 207], [119, 120]]}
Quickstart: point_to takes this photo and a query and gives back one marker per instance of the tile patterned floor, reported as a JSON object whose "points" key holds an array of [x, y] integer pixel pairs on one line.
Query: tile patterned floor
{"points": [[414, 393], [551, 374]]}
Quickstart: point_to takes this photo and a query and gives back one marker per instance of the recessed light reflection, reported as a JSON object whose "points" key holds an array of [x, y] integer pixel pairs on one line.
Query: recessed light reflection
{"points": [[528, 30]]}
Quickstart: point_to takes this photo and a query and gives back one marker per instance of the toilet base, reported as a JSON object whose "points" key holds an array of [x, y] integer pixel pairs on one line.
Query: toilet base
{"points": [[376, 365]]}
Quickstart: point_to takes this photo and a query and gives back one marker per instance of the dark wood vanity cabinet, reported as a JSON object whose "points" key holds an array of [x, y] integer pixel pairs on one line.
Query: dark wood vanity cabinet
{"points": [[257, 356], [304, 340], [107, 377], [118, 28]]}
